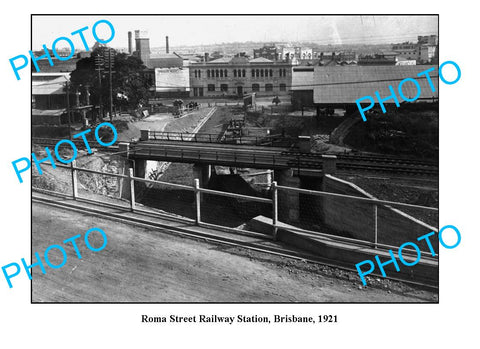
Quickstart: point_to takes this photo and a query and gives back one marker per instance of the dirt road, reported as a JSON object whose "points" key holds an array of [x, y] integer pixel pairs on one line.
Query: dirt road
{"points": [[139, 265]]}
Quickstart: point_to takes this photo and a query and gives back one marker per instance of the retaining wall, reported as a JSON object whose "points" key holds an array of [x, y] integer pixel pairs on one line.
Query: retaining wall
{"points": [[357, 218]]}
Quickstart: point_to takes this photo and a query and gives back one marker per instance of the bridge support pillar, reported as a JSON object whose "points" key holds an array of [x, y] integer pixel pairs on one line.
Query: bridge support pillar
{"points": [[329, 164], [124, 149], [288, 201], [144, 135], [139, 168], [203, 173], [124, 184]]}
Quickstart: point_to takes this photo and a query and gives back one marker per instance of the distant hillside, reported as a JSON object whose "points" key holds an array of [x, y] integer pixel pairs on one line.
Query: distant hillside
{"points": [[235, 47]]}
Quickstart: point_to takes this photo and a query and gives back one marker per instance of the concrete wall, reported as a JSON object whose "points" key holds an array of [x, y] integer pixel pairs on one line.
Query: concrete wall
{"points": [[288, 201], [394, 226]]}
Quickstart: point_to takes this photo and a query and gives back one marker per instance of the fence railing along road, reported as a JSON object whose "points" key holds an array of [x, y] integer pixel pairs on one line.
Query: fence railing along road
{"points": [[273, 201]]}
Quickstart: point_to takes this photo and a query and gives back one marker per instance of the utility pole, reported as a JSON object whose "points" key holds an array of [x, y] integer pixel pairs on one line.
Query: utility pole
{"points": [[110, 81], [99, 62], [70, 132], [68, 111]]}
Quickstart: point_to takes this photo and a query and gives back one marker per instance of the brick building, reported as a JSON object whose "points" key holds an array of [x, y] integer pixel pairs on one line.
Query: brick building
{"points": [[267, 51], [238, 75]]}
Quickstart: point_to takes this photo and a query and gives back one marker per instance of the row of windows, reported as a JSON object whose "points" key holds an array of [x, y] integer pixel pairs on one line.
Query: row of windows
{"points": [[240, 73], [255, 87], [257, 73]]}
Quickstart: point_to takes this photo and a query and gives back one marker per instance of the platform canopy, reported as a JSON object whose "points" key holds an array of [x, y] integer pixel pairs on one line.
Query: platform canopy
{"points": [[346, 84]]}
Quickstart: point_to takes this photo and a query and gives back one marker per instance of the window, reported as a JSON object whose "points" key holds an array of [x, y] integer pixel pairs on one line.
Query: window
{"points": [[257, 73], [221, 73], [280, 73], [224, 87], [225, 73], [268, 87], [211, 87], [216, 73], [199, 74], [283, 87], [200, 91], [253, 73], [255, 87], [195, 71], [284, 72], [243, 73], [271, 73], [234, 73], [208, 73]]}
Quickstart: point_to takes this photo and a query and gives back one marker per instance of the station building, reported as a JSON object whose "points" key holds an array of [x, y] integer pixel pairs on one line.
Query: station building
{"points": [[237, 76], [341, 86]]}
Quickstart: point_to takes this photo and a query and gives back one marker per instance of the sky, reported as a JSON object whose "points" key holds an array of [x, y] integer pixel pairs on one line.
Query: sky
{"points": [[204, 30]]}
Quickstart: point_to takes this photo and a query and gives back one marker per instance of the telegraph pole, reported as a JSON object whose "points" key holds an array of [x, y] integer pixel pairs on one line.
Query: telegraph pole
{"points": [[110, 80], [72, 172], [68, 110], [99, 63]]}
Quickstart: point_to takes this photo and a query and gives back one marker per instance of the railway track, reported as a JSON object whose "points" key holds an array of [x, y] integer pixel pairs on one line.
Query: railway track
{"points": [[245, 155], [217, 238], [366, 158]]}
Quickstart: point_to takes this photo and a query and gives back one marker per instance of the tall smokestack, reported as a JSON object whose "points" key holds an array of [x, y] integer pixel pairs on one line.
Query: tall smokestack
{"points": [[166, 44], [130, 43]]}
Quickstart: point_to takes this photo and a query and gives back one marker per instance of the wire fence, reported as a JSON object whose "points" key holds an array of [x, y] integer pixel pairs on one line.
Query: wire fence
{"points": [[311, 213]]}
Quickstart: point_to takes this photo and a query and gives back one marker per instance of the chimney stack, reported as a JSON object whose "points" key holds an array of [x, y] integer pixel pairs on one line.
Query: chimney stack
{"points": [[130, 43], [166, 44]]}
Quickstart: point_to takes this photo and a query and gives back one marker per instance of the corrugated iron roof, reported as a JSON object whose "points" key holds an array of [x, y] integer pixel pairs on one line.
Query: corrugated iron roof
{"points": [[48, 112], [49, 84], [348, 83]]}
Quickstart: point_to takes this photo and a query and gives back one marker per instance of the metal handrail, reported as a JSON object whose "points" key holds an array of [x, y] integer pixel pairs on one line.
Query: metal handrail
{"points": [[273, 200], [367, 200]]}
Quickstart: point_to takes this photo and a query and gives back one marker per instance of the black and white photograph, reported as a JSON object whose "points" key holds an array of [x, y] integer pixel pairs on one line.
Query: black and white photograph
{"points": [[239, 175], [270, 164]]}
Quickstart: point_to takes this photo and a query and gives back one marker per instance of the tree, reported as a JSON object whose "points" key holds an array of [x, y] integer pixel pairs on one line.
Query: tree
{"points": [[130, 85]]}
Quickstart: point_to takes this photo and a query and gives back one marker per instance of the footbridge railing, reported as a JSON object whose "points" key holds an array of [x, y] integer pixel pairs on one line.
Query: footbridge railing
{"points": [[268, 140]]}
